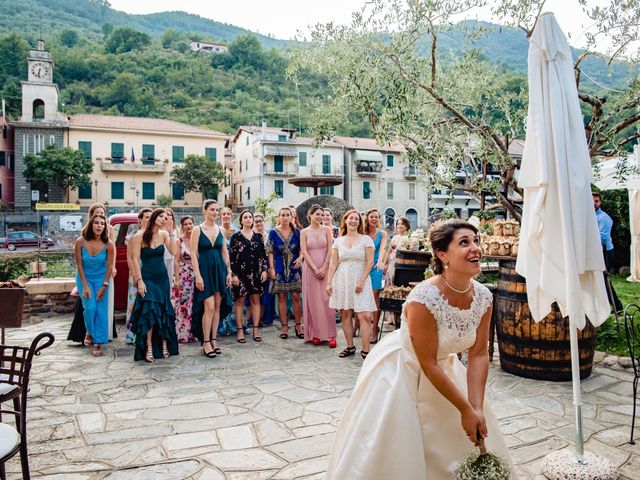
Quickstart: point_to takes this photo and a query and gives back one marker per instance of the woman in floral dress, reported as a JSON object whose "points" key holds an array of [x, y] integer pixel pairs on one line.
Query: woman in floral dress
{"points": [[183, 284], [283, 248], [249, 272]]}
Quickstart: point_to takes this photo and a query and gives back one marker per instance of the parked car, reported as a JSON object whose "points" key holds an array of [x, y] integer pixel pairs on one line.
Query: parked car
{"points": [[123, 223], [14, 240]]}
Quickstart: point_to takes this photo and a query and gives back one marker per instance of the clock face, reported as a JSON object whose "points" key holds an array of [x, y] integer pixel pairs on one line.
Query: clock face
{"points": [[40, 70]]}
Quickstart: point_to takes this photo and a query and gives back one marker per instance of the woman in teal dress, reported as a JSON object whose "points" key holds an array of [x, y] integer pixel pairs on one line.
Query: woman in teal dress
{"points": [[153, 319], [94, 254], [212, 278], [379, 237]]}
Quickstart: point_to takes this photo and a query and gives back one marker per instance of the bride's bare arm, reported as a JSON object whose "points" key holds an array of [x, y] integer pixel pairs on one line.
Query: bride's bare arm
{"points": [[424, 338]]}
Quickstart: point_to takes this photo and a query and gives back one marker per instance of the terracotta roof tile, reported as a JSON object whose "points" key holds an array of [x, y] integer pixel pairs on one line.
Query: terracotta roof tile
{"points": [[138, 123]]}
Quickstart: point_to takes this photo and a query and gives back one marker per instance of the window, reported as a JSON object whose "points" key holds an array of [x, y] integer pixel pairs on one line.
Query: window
{"points": [[84, 192], [282, 138], [390, 160], [177, 191], [148, 152], [278, 163], [326, 164], [302, 189], [302, 159], [412, 191], [85, 147], [0, 190], [278, 187], [247, 142], [248, 193], [240, 195], [177, 155], [366, 190], [117, 150], [211, 153], [2, 159], [246, 164], [11, 163], [148, 190], [390, 191], [389, 217], [117, 190], [327, 190], [240, 165]]}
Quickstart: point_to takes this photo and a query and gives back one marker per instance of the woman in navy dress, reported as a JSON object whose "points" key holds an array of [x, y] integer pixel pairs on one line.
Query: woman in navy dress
{"points": [[283, 248], [210, 260], [267, 300], [153, 319]]}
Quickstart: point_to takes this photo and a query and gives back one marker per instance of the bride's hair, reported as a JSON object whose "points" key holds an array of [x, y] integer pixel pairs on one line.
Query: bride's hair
{"points": [[441, 236]]}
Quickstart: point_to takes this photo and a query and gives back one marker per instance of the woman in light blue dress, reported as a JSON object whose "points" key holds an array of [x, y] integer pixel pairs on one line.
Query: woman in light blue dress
{"points": [[94, 256], [379, 237]]}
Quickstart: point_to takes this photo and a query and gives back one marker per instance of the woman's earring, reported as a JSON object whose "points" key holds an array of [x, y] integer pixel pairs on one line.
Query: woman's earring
{"points": [[446, 265]]}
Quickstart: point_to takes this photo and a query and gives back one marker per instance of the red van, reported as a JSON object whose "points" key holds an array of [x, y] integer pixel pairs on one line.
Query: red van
{"points": [[123, 224]]}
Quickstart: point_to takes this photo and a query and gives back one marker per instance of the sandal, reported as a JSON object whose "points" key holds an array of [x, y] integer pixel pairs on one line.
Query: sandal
{"points": [[333, 343], [149, 355], [284, 332], [88, 341], [257, 338], [315, 341], [216, 350], [97, 351], [363, 354], [240, 340], [374, 339], [347, 352], [210, 353], [298, 334], [165, 349]]}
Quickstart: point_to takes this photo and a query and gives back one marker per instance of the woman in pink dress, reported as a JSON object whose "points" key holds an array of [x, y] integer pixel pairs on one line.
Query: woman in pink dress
{"points": [[315, 245]]}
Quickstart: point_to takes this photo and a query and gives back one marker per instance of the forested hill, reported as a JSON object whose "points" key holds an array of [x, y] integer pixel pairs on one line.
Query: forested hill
{"points": [[87, 17]]}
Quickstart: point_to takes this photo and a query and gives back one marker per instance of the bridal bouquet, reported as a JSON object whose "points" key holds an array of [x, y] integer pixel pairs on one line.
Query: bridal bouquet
{"points": [[483, 466]]}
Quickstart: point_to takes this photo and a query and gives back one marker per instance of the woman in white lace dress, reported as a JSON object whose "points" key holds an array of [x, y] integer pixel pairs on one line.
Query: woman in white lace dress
{"points": [[416, 412], [348, 281]]}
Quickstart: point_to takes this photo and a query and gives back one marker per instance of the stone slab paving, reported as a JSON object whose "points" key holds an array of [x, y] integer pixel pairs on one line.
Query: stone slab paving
{"points": [[261, 411]]}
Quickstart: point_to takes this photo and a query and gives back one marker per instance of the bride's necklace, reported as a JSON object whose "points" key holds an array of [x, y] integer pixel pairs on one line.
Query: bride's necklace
{"points": [[455, 289]]}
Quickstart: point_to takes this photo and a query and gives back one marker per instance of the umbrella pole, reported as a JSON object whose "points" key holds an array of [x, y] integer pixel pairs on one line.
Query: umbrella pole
{"points": [[577, 396]]}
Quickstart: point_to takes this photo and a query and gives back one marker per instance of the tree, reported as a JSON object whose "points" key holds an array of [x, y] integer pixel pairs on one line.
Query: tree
{"points": [[68, 168], [263, 206], [69, 38], [107, 28], [13, 57], [199, 174], [456, 116], [126, 39]]}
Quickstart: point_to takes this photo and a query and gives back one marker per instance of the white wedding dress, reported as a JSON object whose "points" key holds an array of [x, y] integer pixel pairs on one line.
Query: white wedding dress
{"points": [[396, 424]]}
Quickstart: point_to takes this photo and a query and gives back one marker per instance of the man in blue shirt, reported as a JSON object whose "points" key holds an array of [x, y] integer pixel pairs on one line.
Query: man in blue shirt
{"points": [[605, 224]]}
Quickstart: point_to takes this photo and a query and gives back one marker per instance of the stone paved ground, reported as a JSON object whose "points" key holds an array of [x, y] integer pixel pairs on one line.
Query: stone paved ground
{"points": [[261, 411]]}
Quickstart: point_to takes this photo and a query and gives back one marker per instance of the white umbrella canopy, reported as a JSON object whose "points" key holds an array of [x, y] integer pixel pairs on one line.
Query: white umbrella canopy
{"points": [[634, 227], [562, 257]]}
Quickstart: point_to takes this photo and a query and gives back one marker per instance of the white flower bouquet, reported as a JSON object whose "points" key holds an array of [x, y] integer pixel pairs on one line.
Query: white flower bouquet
{"points": [[483, 466]]}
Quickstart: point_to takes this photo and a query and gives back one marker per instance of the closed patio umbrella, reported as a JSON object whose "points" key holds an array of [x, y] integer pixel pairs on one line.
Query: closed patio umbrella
{"points": [[560, 254], [634, 227]]}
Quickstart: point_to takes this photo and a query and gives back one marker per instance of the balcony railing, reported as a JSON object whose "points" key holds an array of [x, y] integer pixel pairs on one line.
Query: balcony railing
{"points": [[320, 171], [410, 171], [368, 168], [289, 170], [123, 164]]}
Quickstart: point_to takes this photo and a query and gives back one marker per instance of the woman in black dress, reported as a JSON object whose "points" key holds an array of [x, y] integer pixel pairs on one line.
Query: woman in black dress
{"points": [[249, 272]]}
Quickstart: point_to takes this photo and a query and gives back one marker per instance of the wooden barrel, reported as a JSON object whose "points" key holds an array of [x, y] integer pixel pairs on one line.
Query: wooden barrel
{"points": [[535, 350], [409, 266]]}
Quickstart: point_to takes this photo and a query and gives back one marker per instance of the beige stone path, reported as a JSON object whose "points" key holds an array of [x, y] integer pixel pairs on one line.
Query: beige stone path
{"points": [[260, 411]]}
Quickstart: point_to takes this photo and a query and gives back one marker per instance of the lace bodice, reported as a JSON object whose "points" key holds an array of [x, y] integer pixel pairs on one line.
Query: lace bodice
{"points": [[357, 253], [456, 327]]}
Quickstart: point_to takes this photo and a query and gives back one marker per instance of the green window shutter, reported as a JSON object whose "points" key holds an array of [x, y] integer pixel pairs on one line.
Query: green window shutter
{"points": [[177, 191], [117, 150], [278, 163], [366, 190], [278, 187], [177, 154], [84, 192], [117, 190], [390, 160], [148, 191], [390, 191], [85, 147], [326, 164], [302, 159], [332, 190], [148, 152], [282, 138], [211, 153], [302, 189], [248, 193]]}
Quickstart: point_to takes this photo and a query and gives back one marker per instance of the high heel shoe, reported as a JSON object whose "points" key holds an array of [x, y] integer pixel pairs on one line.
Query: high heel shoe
{"points": [[165, 349], [333, 343], [284, 332], [256, 338], [217, 350], [149, 355], [210, 353], [238, 339], [299, 334]]}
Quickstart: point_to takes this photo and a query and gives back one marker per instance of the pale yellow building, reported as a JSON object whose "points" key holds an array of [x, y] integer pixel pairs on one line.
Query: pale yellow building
{"points": [[133, 158]]}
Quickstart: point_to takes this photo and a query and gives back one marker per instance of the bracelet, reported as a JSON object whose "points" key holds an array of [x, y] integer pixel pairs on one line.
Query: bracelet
{"points": [[105, 284]]}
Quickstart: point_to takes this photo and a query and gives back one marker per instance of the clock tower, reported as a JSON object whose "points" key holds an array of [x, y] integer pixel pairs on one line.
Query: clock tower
{"points": [[40, 126]]}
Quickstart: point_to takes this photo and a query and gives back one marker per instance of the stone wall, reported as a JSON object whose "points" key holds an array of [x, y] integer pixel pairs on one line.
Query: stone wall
{"points": [[48, 296]]}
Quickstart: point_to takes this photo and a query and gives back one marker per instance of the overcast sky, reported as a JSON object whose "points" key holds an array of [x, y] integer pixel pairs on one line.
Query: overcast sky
{"points": [[283, 18]]}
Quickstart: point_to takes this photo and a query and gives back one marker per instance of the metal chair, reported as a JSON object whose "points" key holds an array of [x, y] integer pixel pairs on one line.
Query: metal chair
{"points": [[632, 332], [15, 369]]}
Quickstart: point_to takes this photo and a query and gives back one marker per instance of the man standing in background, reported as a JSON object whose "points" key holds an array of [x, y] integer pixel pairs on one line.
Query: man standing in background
{"points": [[605, 224]]}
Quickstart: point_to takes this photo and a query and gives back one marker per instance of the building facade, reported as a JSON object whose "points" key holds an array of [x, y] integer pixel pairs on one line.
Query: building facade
{"points": [[7, 162], [266, 159], [133, 158]]}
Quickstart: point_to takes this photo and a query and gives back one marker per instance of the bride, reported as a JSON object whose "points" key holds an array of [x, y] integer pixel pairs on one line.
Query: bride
{"points": [[416, 412]]}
